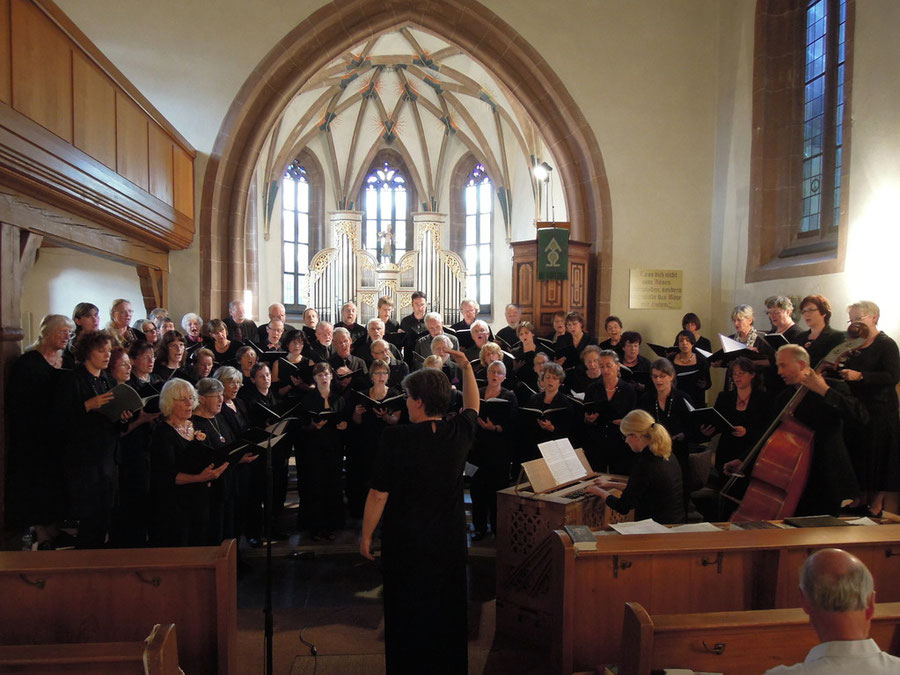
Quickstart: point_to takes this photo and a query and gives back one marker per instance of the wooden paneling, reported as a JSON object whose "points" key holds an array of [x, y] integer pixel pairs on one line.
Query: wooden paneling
{"points": [[94, 103], [41, 70], [112, 596], [184, 182], [5, 63], [161, 173], [539, 299], [131, 142]]}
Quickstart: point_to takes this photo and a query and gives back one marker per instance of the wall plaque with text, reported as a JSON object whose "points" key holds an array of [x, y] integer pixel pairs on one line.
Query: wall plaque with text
{"points": [[655, 289]]}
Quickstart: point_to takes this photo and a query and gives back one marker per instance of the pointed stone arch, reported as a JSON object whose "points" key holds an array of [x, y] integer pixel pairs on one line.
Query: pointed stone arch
{"points": [[227, 254]]}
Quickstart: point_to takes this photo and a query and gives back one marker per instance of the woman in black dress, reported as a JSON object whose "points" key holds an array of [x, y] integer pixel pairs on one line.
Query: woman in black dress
{"points": [[575, 326], [559, 425], [369, 421], [691, 322], [245, 358], [35, 478], [524, 353], [613, 326], [418, 486], [89, 438], [320, 458], [668, 406], [654, 489], [613, 398], [202, 364], [224, 350], [691, 369], [263, 406], [381, 351], [492, 450], [560, 338], [588, 372], [119, 326], [821, 338], [872, 374], [171, 357], [182, 471], [292, 374], [86, 317], [748, 407]]}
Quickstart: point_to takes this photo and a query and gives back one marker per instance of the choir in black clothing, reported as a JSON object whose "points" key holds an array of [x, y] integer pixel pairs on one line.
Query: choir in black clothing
{"points": [[143, 479]]}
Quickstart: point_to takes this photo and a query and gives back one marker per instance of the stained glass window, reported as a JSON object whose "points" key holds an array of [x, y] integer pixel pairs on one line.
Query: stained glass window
{"points": [[295, 235], [823, 113], [479, 203], [384, 214]]}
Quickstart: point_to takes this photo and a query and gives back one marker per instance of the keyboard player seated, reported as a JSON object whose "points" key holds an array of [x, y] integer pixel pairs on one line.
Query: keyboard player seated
{"points": [[654, 487]]}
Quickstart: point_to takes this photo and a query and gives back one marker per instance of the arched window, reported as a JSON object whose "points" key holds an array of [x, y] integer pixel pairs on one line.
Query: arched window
{"points": [[385, 211], [295, 216], [800, 151], [479, 202]]}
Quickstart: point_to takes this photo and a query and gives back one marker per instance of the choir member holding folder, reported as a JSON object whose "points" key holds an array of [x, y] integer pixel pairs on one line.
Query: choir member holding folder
{"points": [[691, 369], [88, 438], [492, 450], [654, 488], [607, 401], [263, 407], [292, 373], [374, 409], [171, 357], [182, 471], [549, 413], [320, 457]]}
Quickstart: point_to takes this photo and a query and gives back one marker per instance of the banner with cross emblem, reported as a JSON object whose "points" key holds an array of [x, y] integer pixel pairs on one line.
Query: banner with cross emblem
{"points": [[553, 254]]}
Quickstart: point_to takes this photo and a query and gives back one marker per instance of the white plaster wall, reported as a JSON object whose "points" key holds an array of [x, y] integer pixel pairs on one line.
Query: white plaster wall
{"points": [[644, 76], [62, 277]]}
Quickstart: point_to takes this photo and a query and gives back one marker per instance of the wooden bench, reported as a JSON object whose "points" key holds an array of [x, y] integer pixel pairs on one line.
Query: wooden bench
{"points": [[78, 597], [731, 642], [726, 571], [156, 655]]}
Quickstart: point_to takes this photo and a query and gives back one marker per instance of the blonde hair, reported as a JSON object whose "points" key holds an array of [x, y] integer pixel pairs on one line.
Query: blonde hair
{"points": [[641, 423]]}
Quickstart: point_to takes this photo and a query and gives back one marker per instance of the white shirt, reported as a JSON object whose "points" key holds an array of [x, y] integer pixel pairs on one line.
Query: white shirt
{"points": [[844, 656]]}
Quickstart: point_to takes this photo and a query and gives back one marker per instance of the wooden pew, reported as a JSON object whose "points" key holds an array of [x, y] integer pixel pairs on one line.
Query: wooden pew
{"points": [[50, 597], [731, 642], [691, 572], [156, 655]]}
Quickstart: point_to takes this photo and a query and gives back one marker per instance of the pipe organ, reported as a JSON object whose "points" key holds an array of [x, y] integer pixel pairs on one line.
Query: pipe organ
{"points": [[346, 271]]}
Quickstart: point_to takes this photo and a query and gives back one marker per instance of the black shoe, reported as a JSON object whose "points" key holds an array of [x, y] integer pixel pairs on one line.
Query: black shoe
{"points": [[477, 536]]}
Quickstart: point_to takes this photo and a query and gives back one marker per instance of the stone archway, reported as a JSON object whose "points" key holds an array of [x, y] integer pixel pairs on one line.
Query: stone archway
{"points": [[225, 217]]}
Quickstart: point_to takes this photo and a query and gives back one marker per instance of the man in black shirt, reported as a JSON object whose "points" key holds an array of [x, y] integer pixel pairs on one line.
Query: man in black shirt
{"points": [[276, 312], [348, 321], [350, 371], [239, 327]]}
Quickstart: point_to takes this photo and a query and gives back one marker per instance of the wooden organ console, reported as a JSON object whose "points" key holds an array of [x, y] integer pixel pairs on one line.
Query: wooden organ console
{"points": [[525, 522]]}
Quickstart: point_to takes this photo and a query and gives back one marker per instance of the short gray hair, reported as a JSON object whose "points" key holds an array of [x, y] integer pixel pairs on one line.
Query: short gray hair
{"points": [[780, 302], [831, 591], [340, 330], [373, 321], [173, 389], [796, 351], [209, 385], [448, 343], [190, 316], [480, 324], [226, 374], [434, 316], [868, 308]]}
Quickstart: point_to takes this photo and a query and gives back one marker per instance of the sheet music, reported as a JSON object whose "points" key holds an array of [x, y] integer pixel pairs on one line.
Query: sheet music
{"points": [[730, 344], [648, 526], [562, 461]]}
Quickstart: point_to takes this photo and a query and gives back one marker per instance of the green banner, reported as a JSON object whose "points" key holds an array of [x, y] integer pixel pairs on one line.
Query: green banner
{"points": [[553, 254]]}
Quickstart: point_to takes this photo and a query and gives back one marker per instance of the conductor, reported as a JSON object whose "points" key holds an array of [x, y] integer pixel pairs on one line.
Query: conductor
{"points": [[417, 484]]}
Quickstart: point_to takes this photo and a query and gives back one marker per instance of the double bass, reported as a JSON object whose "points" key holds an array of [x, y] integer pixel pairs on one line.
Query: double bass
{"points": [[783, 455]]}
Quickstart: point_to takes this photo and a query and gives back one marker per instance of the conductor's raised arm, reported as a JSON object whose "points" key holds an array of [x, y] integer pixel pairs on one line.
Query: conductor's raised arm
{"points": [[470, 387]]}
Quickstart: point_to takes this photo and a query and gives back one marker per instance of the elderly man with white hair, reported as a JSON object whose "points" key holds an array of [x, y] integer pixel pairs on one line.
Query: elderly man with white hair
{"points": [[349, 312], [434, 322], [468, 309], [375, 329], [838, 593]]}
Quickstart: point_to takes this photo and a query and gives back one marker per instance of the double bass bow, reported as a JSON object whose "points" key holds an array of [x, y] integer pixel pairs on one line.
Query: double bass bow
{"points": [[783, 455]]}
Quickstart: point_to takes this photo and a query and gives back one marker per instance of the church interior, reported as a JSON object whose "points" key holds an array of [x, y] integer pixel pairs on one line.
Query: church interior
{"points": [[185, 155]]}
